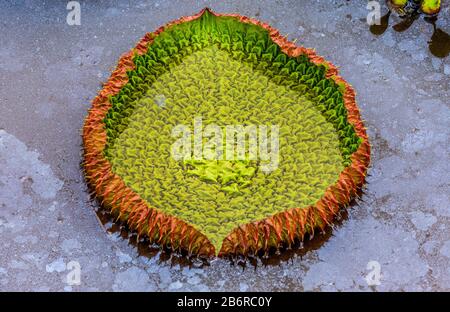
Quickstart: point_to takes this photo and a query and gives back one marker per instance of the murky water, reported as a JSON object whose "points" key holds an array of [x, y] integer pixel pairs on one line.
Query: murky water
{"points": [[406, 23], [384, 24], [402, 225], [439, 43]]}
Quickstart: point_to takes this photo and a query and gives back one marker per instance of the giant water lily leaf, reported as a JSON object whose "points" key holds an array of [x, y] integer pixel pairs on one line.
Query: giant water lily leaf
{"points": [[212, 70]]}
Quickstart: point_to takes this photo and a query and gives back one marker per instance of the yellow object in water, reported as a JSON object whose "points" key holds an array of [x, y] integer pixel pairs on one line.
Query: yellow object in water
{"points": [[430, 6], [399, 3]]}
